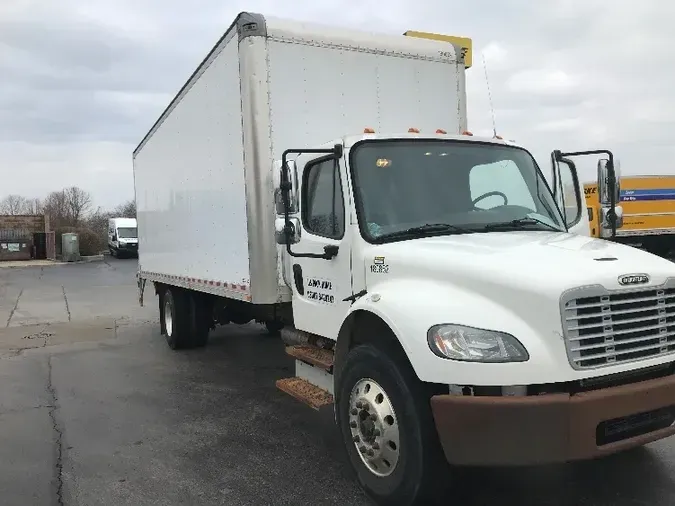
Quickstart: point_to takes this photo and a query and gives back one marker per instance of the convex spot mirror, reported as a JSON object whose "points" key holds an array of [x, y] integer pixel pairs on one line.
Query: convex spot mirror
{"points": [[281, 227]]}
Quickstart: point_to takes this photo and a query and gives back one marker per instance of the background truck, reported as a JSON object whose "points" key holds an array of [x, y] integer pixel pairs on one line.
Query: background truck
{"points": [[123, 237], [430, 284], [648, 212]]}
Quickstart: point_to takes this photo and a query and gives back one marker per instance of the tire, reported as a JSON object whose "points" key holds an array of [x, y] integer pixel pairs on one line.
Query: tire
{"points": [[176, 317], [659, 250], [201, 319], [274, 327], [407, 437]]}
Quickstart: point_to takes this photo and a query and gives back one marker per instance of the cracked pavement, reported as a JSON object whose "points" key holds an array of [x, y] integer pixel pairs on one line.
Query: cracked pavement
{"points": [[96, 410]]}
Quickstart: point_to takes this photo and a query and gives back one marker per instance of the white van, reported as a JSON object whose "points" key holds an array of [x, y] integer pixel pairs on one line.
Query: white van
{"points": [[123, 237]]}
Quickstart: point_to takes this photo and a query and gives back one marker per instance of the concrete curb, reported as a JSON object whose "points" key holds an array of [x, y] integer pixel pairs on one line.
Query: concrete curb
{"points": [[92, 258], [22, 264]]}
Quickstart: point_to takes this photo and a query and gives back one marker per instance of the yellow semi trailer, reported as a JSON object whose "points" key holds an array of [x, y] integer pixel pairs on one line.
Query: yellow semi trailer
{"points": [[648, 212]]}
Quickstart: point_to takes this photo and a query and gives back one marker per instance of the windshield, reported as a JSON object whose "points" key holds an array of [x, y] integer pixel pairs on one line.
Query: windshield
{"points": [[127, 233], [448, 187]]}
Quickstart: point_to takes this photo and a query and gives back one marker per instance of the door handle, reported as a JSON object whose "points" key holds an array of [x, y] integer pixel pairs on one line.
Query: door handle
{"points": [[297, 277]]}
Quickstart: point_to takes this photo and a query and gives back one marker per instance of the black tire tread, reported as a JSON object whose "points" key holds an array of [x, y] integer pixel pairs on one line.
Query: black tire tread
{"points": [[181, 319], [417, 480]]}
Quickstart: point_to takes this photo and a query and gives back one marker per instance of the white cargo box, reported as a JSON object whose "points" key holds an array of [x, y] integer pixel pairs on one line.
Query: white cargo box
{"points": [[203, 173]]}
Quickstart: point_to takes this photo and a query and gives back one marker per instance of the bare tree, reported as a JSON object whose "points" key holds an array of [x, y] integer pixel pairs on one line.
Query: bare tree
{"points": [[78, 204], [126, 210], [68, 207], [55, 206], [12, 205], [98, 222], [33, 206]]}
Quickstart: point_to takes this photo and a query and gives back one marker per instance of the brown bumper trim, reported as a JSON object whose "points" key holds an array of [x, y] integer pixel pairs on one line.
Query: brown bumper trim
{"points": [[544, 428]]}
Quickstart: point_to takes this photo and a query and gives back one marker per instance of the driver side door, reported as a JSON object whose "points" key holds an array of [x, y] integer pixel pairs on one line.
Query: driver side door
{"points": [[320, 286], [569, 197]]}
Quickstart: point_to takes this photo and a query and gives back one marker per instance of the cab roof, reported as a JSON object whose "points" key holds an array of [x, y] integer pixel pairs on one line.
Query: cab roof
{"points": [[349, 140]]}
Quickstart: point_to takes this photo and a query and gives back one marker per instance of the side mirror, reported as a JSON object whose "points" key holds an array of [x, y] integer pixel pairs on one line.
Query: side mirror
{"points": [[605, 183], [280, 227], [291, 176]]}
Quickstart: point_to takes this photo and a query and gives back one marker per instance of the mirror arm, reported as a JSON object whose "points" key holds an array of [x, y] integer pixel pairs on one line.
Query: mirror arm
{"points": [[612, 180], [561, 158]]}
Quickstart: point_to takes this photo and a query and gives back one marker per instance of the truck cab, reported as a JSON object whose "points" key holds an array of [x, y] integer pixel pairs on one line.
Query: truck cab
{"points": [[444, 266], [392, 208], [123, 237]]}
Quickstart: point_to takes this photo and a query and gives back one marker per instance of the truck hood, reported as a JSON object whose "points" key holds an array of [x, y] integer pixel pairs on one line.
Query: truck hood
{"points": [[538, 263]]}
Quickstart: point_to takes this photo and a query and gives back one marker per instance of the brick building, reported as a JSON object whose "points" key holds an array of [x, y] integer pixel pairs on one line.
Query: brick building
{"points": [[26, 237]]}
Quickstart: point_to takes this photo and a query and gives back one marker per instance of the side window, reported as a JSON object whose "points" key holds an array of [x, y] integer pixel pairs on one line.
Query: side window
{"points": [[323, 209], [504, 177], [570, 195]]}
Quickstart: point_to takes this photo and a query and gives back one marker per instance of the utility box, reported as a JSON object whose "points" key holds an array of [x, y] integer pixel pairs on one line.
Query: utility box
{"points": [[70, 247]]}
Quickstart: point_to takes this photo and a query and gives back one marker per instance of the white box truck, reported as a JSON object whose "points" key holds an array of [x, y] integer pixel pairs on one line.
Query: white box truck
{"points": [[431, 285]]}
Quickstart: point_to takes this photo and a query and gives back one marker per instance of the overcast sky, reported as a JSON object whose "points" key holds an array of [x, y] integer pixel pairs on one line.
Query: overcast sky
{"points": [[81, 81]]}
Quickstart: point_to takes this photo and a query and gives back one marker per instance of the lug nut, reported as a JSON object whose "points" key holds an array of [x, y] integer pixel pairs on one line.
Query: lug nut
{"points": [[353, 424], [362, 449], [373, 417], [376, 445], [354, 412], [359, 404], [356, 439], [371, 453]]}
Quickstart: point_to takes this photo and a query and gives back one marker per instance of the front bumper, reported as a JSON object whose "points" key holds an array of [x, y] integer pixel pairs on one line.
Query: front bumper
{"points": [[548, 428]]}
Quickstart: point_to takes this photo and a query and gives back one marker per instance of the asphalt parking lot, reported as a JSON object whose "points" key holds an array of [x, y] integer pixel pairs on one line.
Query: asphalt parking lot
{"points": [[96, 410]]}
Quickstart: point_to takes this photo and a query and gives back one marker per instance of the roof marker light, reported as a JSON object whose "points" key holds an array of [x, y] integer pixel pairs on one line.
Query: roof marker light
{"points": [[499, 137], [441, 131], [466, 132], [368, 131], [413, 130]]}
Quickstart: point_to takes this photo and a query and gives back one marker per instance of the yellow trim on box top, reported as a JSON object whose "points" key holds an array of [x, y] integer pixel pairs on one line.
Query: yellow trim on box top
{"points": [[464, 42]]}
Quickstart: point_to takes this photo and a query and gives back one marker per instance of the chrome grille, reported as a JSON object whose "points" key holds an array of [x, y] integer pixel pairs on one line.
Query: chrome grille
{"points": [[607, 327]]}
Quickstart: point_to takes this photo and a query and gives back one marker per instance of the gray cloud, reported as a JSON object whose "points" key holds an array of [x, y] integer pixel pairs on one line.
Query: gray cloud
{"points": [[81, 82]]}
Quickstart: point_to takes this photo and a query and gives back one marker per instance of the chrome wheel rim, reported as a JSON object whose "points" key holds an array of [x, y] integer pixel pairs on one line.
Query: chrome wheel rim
{"points": [[168, 316], [374, 427]]}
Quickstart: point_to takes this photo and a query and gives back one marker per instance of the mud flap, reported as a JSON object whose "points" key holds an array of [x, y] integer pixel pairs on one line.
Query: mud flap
{"points": [[141, 289]]}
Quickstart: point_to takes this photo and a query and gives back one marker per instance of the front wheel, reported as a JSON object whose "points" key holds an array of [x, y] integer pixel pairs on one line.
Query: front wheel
{"points": [[273, 327], [386, 424]]}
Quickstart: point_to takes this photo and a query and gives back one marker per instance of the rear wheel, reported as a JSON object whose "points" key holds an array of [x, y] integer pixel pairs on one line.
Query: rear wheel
{"points": [[387, 428], [176, 318], [201, 319]]}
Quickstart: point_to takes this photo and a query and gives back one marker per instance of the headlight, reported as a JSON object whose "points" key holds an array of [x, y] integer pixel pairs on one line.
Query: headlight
{"points": [[469, 344]]}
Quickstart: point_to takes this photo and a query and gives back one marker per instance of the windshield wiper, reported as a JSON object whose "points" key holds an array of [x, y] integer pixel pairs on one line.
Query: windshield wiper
{"points": [[427, 229], [520, 223]]}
